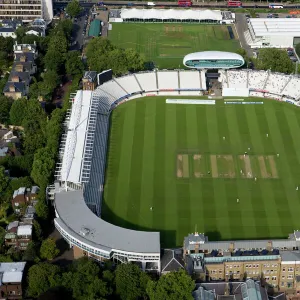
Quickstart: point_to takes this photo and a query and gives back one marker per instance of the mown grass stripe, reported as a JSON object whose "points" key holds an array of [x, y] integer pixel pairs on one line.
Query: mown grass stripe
{"points": [[263, 187]]}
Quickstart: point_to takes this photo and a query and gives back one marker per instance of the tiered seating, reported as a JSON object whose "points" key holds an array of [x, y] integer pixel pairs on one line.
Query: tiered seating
{"points": [[237, 79], [292, 89], [129, 84], [147, 81], [276, 83], [113, 89], [256, 79], [105, 100]]}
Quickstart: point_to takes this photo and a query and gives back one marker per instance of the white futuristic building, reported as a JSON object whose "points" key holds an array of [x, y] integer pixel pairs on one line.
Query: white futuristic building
{"points": [[213, 60], [273, 32]]}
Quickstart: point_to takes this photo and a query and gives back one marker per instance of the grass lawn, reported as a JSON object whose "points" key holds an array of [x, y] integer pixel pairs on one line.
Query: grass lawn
{"points": [[188, 163], [167, 44]]}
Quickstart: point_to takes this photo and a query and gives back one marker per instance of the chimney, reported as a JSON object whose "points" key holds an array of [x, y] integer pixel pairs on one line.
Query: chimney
{"points": [[15, 78], [12, 88], [23, 58]]}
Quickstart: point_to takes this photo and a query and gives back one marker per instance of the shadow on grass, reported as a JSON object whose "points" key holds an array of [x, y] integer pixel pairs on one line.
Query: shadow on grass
{"points": [[167, 237]]}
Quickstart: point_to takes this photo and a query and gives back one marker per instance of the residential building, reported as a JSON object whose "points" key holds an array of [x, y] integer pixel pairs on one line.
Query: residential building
{"points": [[11, 276], [89, 80], [26, 10], [18, 82], [23, 196], [24, 235], [8, 32], [18, 235]]}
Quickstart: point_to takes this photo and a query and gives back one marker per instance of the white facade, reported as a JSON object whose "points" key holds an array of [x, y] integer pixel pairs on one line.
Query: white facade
{"points": [[272, 33], [26, 10]]}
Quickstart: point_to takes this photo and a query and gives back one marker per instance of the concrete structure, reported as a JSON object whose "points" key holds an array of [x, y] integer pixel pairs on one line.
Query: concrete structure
{"points": [[11, 276], [273, 32], [213, 60], [26, 10]]}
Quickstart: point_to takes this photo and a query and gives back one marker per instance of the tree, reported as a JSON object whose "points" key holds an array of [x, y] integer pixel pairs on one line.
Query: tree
{"points": [[74, 64], [42, 167], [37, 231], [42, 277], [135, 62], [30, 254], [41, 210], [5, 105], [20, 33], [54, 60], [275, 60], [73, 8], [48, 249], [4, 180], [51, 80], [54, 129], [84, 282], [20, 182], [64, 26], [17, 111], [131, 282], [172, 286]]}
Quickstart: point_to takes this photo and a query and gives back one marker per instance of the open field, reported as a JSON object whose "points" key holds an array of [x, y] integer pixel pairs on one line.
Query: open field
{"points": [[167, 44], [188, 162]]}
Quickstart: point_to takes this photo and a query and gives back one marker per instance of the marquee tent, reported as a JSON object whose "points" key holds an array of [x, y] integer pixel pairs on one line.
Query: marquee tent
{"points": [[171, 14]]}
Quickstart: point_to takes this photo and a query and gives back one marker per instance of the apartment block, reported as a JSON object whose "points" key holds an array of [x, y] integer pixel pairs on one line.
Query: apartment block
{"points": [[26, 10]]}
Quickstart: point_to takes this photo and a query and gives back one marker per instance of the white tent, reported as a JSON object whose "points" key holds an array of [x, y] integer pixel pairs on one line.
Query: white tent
{"points": [[168, 14]]}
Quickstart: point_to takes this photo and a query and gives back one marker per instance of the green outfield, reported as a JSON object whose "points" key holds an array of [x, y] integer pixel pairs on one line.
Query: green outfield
{"points": [[167, 44], [188, 163]]}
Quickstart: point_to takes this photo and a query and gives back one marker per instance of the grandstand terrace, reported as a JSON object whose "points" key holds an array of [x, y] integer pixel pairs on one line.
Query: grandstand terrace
{"points": [[80, 174]]}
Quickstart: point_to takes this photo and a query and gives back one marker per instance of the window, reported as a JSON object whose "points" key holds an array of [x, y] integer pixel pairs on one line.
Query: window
{"points": [[250, 266], [290, 277], [290, 269], [283, 269], [246, 266], [274, 277], [282, 283], [220, 272], [267, 277], [282, 277]]}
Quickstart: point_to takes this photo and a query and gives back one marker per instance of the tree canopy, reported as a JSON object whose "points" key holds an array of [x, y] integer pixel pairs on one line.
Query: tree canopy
{"points": [[73, 8], [74, 64], [48, 249], [172, 286], [5, 105], [42, 277], [18, 111], [275, 60], [131, 282], [102, 55]]}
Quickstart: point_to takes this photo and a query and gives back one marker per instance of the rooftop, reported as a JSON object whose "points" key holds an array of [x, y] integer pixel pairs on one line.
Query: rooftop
{"points": [[24, 230], [19, 191], [12, 272], [275, 26], [97, 232]]}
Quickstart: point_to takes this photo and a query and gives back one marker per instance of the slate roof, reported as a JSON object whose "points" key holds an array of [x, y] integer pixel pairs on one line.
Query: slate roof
{"points": [[7, 29], [171, 261], [19, 86], [90, 75], [29, 56]]}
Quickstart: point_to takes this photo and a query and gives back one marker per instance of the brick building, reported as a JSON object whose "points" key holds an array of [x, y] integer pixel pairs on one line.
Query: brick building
{"points": [[22, 197], [18, 235], [11, 276]]}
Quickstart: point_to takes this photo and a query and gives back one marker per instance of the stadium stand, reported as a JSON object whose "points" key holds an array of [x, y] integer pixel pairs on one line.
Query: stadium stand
{"points": [[147, 81], [276, 82], [257, 79], [237, 79], [80, 174], [129, 84]]}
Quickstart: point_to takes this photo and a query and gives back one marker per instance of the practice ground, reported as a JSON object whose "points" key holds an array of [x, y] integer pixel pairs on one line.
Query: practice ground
{"points": [[188, 162], [167, 44]]}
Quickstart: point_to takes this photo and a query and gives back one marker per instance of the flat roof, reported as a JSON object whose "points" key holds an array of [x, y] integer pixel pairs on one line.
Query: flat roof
{"points": [[76, 137], [275, 26], [76, 217], [12, 272]]}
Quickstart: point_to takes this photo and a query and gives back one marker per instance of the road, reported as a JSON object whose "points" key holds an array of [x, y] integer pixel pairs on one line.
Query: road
{"points": [[77, 35], [174, 4]]}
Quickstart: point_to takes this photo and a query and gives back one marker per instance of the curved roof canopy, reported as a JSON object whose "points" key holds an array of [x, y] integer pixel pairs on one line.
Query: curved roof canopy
{"points": [[168, 14]]}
